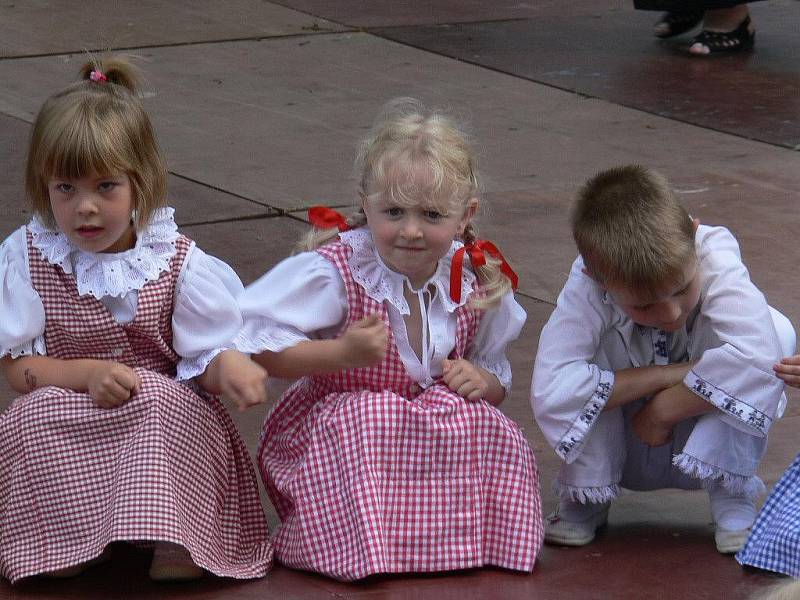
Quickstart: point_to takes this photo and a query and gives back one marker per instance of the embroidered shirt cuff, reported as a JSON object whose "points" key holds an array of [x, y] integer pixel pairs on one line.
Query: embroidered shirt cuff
{"points": [[736, 411], [749, 397], [571, 443], [189, 368]]}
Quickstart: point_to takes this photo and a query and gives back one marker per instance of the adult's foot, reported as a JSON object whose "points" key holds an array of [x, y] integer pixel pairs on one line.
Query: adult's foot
{"points": [[725, 30], [676, 23]]}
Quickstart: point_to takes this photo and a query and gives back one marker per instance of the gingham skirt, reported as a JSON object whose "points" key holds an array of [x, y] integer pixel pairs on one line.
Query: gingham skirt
{"points": [[166, 465], [372, 482], [774, 544]]}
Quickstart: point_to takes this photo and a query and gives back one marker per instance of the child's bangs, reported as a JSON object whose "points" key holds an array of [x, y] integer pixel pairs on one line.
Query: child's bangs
{"points": [[83, 147], [409, 180]]}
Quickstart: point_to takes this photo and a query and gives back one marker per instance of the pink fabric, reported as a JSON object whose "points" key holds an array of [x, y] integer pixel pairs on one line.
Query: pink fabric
{"points": [[166, 465], [370, 474]]}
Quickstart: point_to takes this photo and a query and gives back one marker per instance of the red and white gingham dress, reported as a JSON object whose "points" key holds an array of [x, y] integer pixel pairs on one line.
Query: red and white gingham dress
{"points": [[166, 465], [369, 474]]}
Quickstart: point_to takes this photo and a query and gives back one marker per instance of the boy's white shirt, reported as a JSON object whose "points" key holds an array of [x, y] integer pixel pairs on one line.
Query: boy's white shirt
{"points": [[588, 337], [205, 317], [303, 297]]}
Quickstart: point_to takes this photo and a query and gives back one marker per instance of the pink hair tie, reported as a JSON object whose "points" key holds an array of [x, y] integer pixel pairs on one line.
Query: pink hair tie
{"points": [[97, 76]]}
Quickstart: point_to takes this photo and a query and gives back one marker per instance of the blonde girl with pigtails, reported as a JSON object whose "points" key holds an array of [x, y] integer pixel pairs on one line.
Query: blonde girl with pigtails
{"points": [[389, 454], [116, 329]]}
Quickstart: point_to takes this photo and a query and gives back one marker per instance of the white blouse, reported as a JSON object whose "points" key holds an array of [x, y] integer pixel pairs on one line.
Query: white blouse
{"points": [[304, 297], [205, 317]]}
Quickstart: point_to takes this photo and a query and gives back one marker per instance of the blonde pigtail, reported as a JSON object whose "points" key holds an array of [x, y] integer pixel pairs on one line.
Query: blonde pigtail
{"points": [[315, 238], [494, 284]]}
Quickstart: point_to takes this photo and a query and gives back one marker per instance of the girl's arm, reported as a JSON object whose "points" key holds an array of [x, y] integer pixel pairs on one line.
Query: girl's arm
{"points": [[235, 376], [486, 364], [204, 321], [364, 344], [290, 315], [109, 383]]}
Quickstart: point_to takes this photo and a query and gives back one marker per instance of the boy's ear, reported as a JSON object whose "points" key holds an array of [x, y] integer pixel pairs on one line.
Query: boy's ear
{"points": [[695, 224]]}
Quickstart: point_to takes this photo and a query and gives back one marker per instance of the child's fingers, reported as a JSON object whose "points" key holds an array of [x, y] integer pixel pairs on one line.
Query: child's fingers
{"points": [[126, 378], [453, 376], [792, 380], [256, 394], [474, 395], [137, 384], [119, 385], [112, 394], [786, 369], [470, 390], [370, 320], [248, 393], [791, 360]]}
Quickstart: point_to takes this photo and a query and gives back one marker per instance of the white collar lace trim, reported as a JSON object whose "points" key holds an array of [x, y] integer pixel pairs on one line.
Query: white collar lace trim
{"points": [[381, 283], [113, 274]]}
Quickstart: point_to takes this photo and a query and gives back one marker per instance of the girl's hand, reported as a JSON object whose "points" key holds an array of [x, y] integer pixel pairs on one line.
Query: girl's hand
{"points": [[365, 342], [789, 370], [241, 380], [111, 383], [464, 378]]}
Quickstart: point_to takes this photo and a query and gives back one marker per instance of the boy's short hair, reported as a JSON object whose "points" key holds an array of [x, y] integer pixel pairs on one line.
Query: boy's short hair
{"points": [[631, 231]]}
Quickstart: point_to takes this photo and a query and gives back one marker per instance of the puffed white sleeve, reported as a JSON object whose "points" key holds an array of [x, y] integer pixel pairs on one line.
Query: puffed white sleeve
{"points": [[733, 338], [303, 297], [499, 327], [206, 317], [569, 388], [22, 321]]}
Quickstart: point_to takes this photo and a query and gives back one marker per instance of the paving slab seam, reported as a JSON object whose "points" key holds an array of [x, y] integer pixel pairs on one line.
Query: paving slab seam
{"points": [[443, 24], [224, 191], [232, 220], [535, 298], [376, 32], [366, 29], [305, 12], [322, 31]]}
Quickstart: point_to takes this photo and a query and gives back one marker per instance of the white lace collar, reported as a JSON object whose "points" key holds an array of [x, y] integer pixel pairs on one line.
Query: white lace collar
{"points": [[112, 274], [381, 283]]}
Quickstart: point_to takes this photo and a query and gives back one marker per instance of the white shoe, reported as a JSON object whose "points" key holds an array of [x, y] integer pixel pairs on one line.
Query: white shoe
{"points": [[578, 532], [734, 515], [730, 541]]}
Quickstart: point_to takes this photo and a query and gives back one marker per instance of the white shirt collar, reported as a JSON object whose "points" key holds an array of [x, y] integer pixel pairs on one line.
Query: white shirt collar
{"points": [[381, 283], [112, 274]]}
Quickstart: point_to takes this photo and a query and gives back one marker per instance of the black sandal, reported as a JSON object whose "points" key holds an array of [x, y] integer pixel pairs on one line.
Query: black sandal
{"points": [[725, 42], [676, 23]]}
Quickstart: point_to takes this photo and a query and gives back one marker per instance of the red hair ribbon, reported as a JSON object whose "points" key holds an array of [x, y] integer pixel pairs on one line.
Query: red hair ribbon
{"points": [[477, 256], [323, 217], [98, 76]]}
